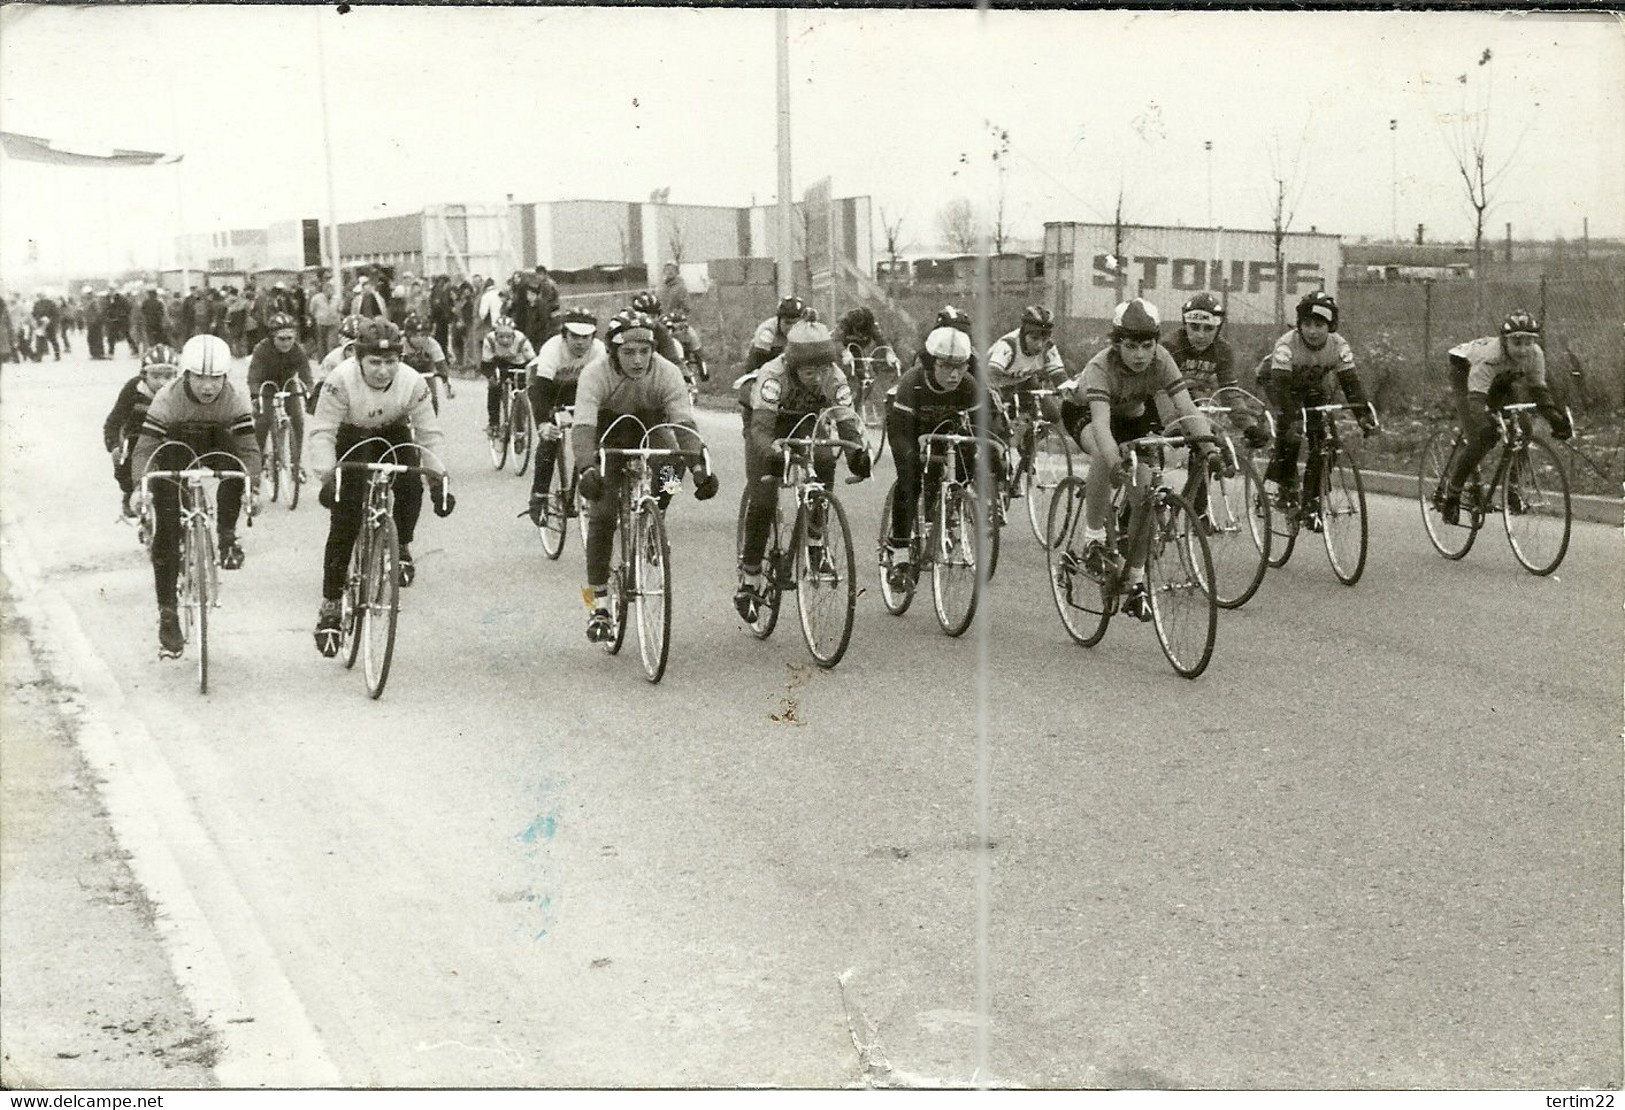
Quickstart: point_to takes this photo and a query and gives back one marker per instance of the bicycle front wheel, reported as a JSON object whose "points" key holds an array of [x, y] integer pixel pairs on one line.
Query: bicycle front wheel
{"points": [[1342, 512], [651, 586], [767, 614], [555, 524], [1535, 506], [523, 435], [1179, 578], [1236, 519], [1282, 515], [202, 599], [954, 545], [381, 594], [1450, 540], [872, 409], [826, 595], [1051, 465], [276, 446], [353, 603], [498, 440], [896, 598], [1079, 599]]}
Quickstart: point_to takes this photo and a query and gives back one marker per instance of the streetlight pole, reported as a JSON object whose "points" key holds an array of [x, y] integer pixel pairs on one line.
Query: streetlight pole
{"points": [[1393, 167], [1207, 145], [327, 156], [787, 251]]}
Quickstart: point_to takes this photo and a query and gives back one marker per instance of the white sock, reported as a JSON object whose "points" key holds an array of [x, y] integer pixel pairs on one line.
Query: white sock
{"points": [[1093, 535]]}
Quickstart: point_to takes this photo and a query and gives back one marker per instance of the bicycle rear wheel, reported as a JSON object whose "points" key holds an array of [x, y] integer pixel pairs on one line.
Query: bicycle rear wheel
{"points": [[1238, 535], [381, 595], [1535, 507], [1079, 599], [522, 433], [1051, 464], [896, 599], [1450, 540], [954, 545], [826, 602], [1343, 518], [353, 603], [652, 589], [276, 445], [555, 524], [296, 482], [1179, 578], [767, 614], [619, 589], [872, 410], [1283, 522]]}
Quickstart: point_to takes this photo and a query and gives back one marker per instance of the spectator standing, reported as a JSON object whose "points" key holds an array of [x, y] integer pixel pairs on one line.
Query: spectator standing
{"points": [[440, 302], [486, 314], [673, 290], [95, 319], [8, 342], [152, 320], [325, 318], [366, 301], [45, 320], [118, 322]]}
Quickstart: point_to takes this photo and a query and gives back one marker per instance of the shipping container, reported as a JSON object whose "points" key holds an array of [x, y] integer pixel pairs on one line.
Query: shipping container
{"points": [[1166, 265]]}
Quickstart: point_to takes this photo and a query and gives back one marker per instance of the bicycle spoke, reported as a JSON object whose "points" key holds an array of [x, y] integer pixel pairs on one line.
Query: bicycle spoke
{"points": [[652, 590], [1343, 518], [953, 562], [826, 594], [380, 606], [1535, 507], [1179, 576], [1078, 598]]}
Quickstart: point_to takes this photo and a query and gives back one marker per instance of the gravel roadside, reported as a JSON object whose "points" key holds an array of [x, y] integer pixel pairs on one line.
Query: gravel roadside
{"points": [[89, 999]]}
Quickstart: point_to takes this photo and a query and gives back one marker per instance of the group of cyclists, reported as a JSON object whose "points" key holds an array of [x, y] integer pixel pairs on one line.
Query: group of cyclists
{"points": [[377, 394]]}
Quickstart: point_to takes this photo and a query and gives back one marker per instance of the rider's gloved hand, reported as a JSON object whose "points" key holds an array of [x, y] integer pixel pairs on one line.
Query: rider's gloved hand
{"points": [[1256, 436], [591, 484], [441, 498], [859, 464], [1559, 423], [706, 488], [326, 495], [1368, 425], [1218, 461]]}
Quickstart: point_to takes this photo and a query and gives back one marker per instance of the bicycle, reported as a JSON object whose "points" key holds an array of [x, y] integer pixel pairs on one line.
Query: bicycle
{"points": [[1158, 531], [826, 595], [370, 605], [1341, 494], [640, 562], [1048, 461], [279, 462], [1231, 510], [563, 500], [437, 386], [1528, 486], [197, 586], [869, 392], [946, 537], [516, 425]]}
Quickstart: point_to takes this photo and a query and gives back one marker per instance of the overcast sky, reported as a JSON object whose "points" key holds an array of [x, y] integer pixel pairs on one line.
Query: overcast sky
{"points": [[469, 104]]}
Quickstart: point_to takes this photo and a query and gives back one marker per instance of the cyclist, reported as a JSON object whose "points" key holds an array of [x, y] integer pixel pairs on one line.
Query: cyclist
{"points": [[768, 342], [805, 379], [503, 356], [689, 343], [277, 358], [551, 380], [666, 345], [1207, 361], [367, 398], [1023, 360], [422, 352], [1299, 366], [123, 424], [1486, 374], [206, 413], [939, 390], [629, 378], [331, 360], [859, 328], [1116, 386]]}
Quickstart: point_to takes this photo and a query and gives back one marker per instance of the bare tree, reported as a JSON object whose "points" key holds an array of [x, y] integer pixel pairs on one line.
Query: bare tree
{"points": [[1287, 191], [674, 240], [893, 231], [1000, 230], [957, 224], [1468, 140]]}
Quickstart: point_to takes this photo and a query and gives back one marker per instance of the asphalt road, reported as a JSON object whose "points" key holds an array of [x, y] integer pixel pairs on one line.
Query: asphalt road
{"points": [[1376, 845]]}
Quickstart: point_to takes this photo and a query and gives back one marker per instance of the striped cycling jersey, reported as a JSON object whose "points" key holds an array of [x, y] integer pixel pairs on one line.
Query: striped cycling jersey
{"points": [[603, 392], [555, 363], [1106, 379], [1009, 366], [1205, 371], [1293, 363], [224, 424], [509, 354]]}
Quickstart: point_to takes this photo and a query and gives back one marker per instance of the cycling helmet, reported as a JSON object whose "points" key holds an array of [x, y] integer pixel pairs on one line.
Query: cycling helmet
{"points": [[630, 327], [280, 321], [579, 321], [413, 323], [1204, 308], [859, 320], [160, 356], [808, 343], [646, 303], [676, 318], [377, 336], [348, 328], [505, 324], [1320, 304], [791, 308], [1136, 319], [1035, 317], [948, 343], [1519, 322], [207, 356], [951, 317]]}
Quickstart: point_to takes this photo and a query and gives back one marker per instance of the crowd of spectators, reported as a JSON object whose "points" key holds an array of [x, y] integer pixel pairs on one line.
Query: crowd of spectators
{"points": [[459, 313]]}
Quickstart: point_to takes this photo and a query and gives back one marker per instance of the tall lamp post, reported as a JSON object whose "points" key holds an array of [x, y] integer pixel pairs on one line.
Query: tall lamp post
{"points": [[1393, 173], [1207, 145]]}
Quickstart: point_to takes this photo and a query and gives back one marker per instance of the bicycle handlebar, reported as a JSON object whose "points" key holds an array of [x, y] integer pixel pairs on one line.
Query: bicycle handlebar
{"points": [[1342, 407], [792, 442]]}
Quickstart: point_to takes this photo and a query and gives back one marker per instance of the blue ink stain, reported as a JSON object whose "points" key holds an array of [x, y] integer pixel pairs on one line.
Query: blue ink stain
{"points": [[545, 826]]}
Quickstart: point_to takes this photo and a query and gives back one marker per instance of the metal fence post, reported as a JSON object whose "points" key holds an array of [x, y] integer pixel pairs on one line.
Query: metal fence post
{"points": [[1427, 327]]}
